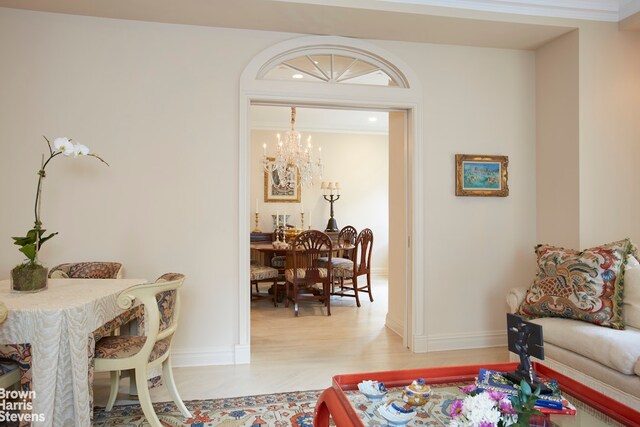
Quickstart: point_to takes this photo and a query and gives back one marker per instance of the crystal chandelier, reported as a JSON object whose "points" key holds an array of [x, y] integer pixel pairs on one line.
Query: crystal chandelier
{"points": [[293, 164]]}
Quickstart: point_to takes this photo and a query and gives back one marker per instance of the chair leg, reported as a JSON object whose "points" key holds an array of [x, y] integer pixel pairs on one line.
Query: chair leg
{"points": [[295, 299], [369, 286], [113, 393], [286, 294], [275, 292], [354, 281], [167, 372], [327, 297], [145, 398]]}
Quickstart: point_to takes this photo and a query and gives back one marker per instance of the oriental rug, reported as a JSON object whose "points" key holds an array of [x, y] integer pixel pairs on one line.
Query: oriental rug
{"points": [[272, 410]]}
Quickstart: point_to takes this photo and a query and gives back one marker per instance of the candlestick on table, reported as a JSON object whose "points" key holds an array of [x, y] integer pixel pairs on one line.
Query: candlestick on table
{"points": [[257, 230]]}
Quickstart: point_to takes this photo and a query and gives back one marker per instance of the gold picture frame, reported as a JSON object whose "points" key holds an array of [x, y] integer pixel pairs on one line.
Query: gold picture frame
{"points": [[274, 194], [481, 175]]}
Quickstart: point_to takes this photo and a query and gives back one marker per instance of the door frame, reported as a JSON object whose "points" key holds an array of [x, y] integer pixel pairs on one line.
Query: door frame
{"points": [[330, 95]]}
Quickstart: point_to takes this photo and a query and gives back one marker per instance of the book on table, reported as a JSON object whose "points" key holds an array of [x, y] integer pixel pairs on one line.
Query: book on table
{"points": [[494, 380]]}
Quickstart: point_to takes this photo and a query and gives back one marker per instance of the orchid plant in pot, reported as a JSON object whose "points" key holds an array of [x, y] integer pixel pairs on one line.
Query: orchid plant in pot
{"points": [[31, 275]]}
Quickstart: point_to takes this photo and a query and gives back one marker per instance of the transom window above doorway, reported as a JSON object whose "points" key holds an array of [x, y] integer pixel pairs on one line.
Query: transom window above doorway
{"points": [[321, 65]]}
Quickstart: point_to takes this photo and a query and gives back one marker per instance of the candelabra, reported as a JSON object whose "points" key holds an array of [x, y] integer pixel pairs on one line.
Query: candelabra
{"points": [[331, 194], [257, 229], [301, 220]]}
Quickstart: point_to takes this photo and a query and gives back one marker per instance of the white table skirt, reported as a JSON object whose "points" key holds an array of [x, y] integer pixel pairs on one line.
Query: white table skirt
{"points": [[57, 323]]}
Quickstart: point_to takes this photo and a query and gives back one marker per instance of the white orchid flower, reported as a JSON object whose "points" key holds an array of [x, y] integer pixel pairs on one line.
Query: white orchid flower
{"points": [[64, 145], [81, 150]]}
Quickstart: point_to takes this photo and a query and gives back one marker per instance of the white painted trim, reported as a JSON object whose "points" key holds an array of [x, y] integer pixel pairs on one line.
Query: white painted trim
{"points": [[309, 93], [380, 271], [628, 8], [419, 344], [183, 357], [596, 10], [442, 342], [394, 325]]}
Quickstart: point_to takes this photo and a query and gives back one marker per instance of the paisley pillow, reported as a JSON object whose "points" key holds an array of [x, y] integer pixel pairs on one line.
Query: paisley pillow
{"points": [[585, 285]]}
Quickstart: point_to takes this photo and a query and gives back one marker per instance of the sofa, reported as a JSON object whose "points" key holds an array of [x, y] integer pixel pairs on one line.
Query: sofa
{"points": [[604, 358]]}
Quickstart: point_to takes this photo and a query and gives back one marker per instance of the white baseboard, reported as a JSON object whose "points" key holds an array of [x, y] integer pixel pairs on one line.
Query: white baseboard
{"points": [[420, 344], [394, 325], [380, 271], [465, 341], [232, 355]]}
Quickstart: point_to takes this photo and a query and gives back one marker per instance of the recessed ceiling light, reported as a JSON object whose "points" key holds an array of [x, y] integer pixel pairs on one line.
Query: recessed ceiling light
{"points": [[297, 76], [373, 119]]}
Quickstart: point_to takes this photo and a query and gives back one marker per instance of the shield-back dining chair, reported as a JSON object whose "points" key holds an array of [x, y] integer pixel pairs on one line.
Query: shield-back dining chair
{"points": [[361, 266], [161, 303], [301, 280]]}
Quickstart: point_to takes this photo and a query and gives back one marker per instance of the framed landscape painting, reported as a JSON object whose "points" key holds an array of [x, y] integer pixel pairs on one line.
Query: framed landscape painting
{"points": [[274, 193], [479, 175]]}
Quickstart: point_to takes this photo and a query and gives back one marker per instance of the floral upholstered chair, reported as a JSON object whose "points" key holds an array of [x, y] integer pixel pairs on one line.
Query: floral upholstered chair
{"points": [[87, 270], [9, 372], [161, 303]]}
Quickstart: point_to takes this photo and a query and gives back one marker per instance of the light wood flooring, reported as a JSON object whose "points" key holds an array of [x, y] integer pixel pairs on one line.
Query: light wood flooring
{"points": [[291, 354]]}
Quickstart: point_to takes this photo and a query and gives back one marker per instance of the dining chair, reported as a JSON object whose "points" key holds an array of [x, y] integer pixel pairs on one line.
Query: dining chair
{"points": [[301, 280], [361, 266], [263, 273], [278, 261], [161, 302], [87, 270], [9, 372], [347, 236]]}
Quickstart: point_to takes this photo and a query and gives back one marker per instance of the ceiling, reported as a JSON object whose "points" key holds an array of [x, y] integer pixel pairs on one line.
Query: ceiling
{"points": [[513, 24], [309, 120]]}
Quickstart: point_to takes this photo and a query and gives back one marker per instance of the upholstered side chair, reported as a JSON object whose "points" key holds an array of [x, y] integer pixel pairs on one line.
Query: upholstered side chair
{"points": [[264, 273], [161, 302], [87, 270], [9, 372]]}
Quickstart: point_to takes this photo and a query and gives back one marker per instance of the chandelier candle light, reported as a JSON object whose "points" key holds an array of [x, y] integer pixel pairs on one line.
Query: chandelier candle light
{"points": [[331, 194], [293, 163]]}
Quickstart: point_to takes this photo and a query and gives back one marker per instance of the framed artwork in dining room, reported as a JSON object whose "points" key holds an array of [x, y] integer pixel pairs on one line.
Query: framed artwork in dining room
{"points": [[481, 175], [274, 193]]}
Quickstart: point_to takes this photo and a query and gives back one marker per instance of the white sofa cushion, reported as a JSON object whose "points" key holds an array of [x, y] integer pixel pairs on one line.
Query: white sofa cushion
{"points": [[631, 299], [617, 349]]}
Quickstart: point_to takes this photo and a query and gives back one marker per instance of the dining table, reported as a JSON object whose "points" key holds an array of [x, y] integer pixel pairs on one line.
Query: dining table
{"points": [[51, 336]]}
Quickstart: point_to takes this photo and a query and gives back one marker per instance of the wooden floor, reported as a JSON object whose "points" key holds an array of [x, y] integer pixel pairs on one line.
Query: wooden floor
{"points": [[291, 354]]}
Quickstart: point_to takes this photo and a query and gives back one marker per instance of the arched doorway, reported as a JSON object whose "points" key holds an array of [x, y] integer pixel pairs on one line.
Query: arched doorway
{"points": [[341, 73]]}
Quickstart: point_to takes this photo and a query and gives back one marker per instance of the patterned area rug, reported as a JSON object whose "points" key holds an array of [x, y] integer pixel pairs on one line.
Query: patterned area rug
{"points": [[272, 410]]}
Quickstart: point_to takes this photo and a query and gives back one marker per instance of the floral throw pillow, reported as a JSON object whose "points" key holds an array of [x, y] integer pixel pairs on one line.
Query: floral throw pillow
{"points": [[585, 285]]}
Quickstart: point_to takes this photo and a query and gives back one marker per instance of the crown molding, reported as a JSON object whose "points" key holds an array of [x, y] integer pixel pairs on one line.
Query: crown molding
{"points": [[596, 10], [628, 8]]}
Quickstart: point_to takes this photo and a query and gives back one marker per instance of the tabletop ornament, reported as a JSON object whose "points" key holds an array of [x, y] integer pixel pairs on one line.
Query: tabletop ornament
{"points": [[373, 390], [31, 275], [396, 413], [417, 393]]}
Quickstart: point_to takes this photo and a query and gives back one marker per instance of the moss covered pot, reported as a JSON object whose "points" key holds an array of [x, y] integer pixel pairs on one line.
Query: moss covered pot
{"points": [[29, 278]]}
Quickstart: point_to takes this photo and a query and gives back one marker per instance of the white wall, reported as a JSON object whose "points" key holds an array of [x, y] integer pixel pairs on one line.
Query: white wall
{"points": [[477, 101], [160, 103], [609, 132], [359, 162], [558, 142]]}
